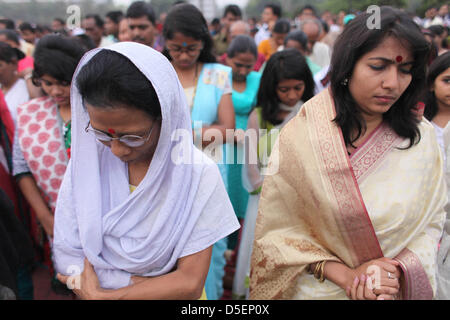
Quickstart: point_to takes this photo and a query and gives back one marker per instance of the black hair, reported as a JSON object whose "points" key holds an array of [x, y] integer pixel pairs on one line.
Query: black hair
{"points": [[325, 26], [233, 9], [11, 35], [299, 36], [433, 47], [98, 21], [275, 7], [436, 29], [111, 80], [439, 30], [140, 9], [56, 56], [282, 26], [115, 16], [308, 7], [27, 26], [60, 20], [10, 54], [439, 65], [242, 44], [282, 65], [85, 41], [215, 21], [357, 40], [9, 24], [185, 18]]}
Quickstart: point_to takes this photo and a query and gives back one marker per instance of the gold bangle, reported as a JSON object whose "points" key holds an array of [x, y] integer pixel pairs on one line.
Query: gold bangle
{"points": [[317, 270], [319, 273], [322, 273]]}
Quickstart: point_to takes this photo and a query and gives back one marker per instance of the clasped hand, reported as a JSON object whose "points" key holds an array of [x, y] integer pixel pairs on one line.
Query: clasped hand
{"points": [[378, 279]]}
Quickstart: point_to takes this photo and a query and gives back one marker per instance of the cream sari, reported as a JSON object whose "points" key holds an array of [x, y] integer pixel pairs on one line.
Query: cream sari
{"points": [[322, 204]]}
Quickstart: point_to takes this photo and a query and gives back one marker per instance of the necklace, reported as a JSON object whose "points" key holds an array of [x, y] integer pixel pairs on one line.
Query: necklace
{"points": [[191, 104]]}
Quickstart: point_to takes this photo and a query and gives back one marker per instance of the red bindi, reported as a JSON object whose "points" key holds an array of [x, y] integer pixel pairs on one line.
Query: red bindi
{"points": [[112, 131], [399, 59]]}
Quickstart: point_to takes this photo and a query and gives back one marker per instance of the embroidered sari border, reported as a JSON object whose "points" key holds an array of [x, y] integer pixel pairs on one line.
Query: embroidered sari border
{"points": [[374, 150], [350, 214], [416, 285]]}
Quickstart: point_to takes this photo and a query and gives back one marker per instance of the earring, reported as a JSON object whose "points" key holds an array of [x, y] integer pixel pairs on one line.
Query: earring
{"points": [[345, 82]]}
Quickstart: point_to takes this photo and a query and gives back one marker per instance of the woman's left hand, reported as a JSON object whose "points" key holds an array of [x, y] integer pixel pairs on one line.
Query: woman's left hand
{"points": [[89, 286]]}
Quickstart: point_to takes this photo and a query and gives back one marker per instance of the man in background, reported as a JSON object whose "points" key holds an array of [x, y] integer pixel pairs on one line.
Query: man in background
{"points": [[232, 13], [112, 20], [94, 27], [142, 23], [270, 14]]}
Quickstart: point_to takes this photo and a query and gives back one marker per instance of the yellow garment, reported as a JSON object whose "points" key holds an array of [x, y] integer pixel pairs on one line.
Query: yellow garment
{"points": [[203, 296], [267, 48], [322, 205]]}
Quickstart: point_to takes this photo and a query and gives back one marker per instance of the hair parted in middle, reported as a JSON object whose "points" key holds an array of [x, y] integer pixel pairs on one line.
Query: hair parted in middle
{"points": [[282, 65], [186, 19]]}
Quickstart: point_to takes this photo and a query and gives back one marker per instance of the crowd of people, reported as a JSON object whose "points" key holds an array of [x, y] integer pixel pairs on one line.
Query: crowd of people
{"points": [[271, 158]]}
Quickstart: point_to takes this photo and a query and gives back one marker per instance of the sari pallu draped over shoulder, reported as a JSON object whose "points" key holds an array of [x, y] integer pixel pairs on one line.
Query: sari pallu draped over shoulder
{"points": [[178, 209], [320, 204]]}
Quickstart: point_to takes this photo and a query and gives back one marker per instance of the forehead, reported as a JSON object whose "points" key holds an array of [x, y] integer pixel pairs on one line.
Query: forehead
{"points": [[121, 118], [238, 28], [49, 78], [307, 12], [244, 57], [139, 21], [310, 28], [267, 10], [90, 22], [391, 48], [288, 83], [179, 38], [123, 23], [230, 16]]}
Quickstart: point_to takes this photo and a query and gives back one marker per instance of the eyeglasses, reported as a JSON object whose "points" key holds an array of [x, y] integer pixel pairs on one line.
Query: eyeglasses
{"points": [[177, 50], [129, 140]]}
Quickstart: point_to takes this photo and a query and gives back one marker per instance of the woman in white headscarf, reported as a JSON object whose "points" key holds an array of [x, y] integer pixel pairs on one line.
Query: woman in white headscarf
{"points": [[140, 206]]}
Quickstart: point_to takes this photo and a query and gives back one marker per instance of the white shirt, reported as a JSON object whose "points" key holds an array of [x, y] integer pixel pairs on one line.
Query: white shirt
{"points": [[262, 34], [16, 96], [321, 54]]}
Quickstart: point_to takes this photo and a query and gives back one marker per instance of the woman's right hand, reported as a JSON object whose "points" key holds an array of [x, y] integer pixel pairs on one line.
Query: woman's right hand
{"points": [[384, 273]]}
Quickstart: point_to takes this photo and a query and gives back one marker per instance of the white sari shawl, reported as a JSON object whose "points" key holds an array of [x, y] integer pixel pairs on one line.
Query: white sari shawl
{"points": [[181, 207]]}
